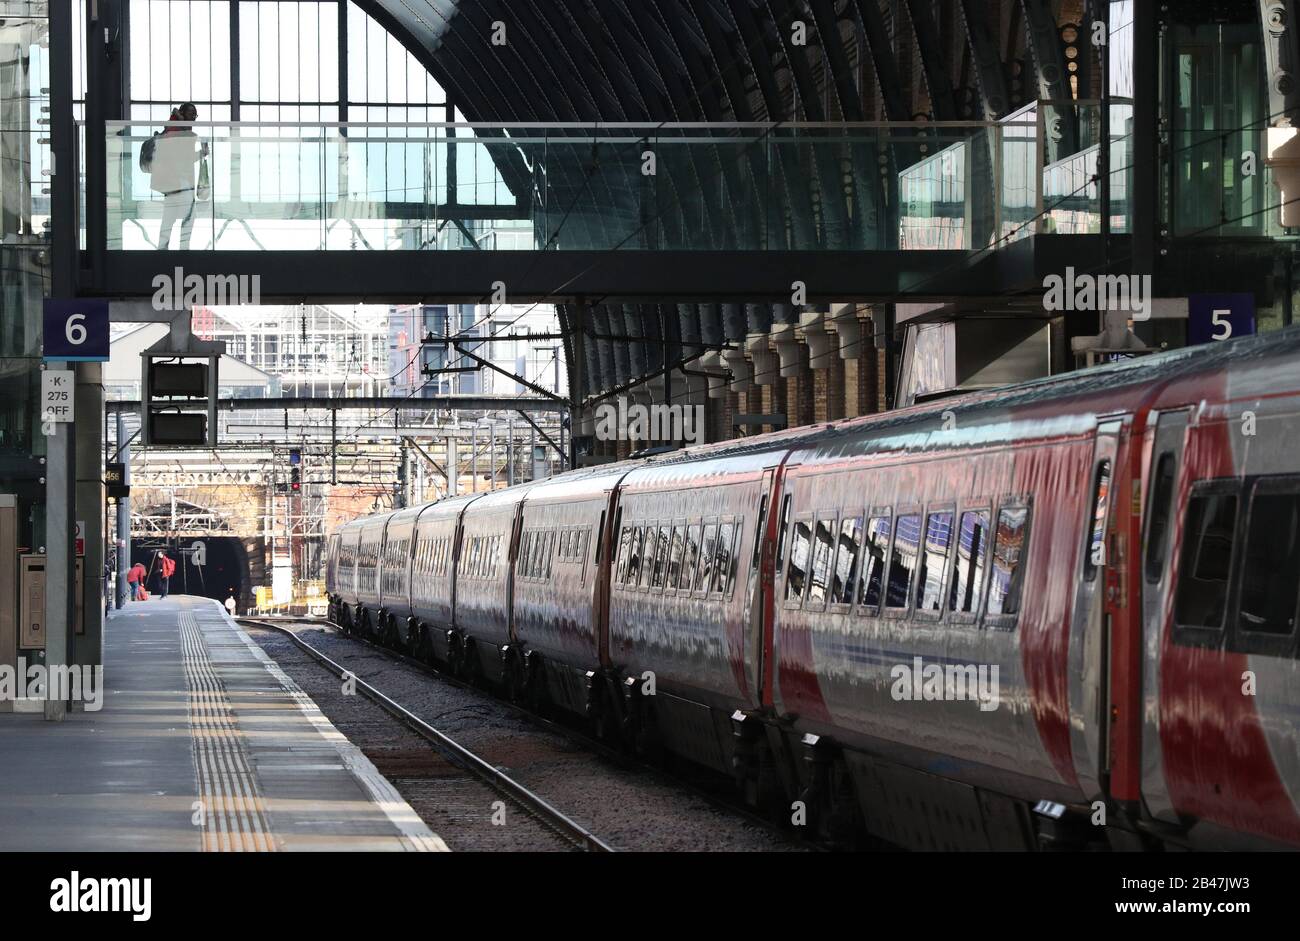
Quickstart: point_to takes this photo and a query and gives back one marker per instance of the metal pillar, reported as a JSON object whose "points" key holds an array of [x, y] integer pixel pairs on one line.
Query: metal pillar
{"points": [[88, 646], [1144, 193], [453, 466], [123, 513], [60, 454], [510, 453]]}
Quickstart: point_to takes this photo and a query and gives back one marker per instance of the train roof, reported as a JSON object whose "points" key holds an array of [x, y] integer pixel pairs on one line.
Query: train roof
{"points": [[982, 417]]}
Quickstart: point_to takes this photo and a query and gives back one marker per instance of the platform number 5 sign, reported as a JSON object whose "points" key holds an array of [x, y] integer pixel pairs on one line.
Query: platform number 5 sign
{"points": [[1212, 317], [75, 331]]}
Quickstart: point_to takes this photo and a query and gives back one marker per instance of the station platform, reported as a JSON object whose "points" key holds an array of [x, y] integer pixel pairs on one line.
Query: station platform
{"points": [[202, 743]]}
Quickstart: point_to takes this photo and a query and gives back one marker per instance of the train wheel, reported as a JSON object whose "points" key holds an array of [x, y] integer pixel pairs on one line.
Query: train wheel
{"points": [[455, 654], [427, 653], [470, 668], [512, 676]]}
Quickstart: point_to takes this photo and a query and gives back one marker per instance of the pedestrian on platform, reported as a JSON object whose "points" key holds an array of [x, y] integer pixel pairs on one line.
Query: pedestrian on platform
{"points": [[135, 580], [165, 569]]}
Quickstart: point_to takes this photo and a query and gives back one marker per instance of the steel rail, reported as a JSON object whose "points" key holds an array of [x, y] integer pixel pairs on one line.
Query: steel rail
{"points": [[574, 735], [458, 754]]}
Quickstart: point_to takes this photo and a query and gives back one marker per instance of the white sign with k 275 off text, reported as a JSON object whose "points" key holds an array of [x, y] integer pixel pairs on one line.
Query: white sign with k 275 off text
{"points": [[57, 387]]}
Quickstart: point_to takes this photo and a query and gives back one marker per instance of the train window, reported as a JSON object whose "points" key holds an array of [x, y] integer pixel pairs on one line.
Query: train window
{"points": [[660, 537], [550, 538], [535, 550], [845, 571], [758, 537], [1159, 512], [934, 562], [797, 572], [872, 570], [690, 557], [1270, 580], [651, 539], [1008, 550], [780, 536], [823, 543], [972, 555], [1206, 560], [735, 558], [1097, 536], [902, 561], [722, 565], [633, 557], [707, 550], [624, 554], [675, 558]]}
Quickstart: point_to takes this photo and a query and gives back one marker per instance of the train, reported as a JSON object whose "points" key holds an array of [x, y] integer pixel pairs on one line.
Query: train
{"points": [[1051, 616]]}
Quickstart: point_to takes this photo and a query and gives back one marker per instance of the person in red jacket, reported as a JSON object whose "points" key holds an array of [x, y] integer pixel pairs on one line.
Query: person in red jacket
{"points": [[135, 580], [165, 568]]}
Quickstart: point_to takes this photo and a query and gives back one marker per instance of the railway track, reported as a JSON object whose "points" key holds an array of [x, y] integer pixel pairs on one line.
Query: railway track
{"points": [[535, 806], [705, 794]]}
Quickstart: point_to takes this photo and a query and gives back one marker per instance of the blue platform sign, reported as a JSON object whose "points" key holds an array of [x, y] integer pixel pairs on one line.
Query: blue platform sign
{"points": [[1213, 317], [75, 330]]}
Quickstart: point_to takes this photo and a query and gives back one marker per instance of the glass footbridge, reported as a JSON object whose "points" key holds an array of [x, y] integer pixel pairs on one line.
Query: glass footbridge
{"points": [[677, 201]]}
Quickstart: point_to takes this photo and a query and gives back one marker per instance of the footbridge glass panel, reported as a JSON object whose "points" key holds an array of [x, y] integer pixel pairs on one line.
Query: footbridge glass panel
{"points": [[260, 186]]}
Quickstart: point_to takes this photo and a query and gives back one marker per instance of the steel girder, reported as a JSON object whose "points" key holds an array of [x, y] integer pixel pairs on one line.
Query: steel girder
{"points": [[681, 60]]}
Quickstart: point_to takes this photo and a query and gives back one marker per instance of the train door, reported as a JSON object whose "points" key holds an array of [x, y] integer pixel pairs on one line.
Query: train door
{"points": [[758, 609], [608, 547], [332, 564], [1166, 467], [516, 531], [1090, 625], [453, 563]]}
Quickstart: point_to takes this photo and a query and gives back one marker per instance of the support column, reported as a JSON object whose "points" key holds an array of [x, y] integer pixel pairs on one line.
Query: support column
{"points": [[123, 514], [60, 453], [799, 389], [87, 647]]}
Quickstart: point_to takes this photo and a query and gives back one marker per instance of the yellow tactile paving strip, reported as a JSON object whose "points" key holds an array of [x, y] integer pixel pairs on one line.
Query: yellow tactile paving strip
{"points": [[234, 817]]}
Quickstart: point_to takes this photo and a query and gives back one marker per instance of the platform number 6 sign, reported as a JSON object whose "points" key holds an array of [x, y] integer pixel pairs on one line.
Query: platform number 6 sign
{"points": [[75, 330]]}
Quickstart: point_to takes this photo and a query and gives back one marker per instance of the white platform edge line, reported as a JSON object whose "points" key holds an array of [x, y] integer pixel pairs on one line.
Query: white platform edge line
{"points": [[416, 835]]}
